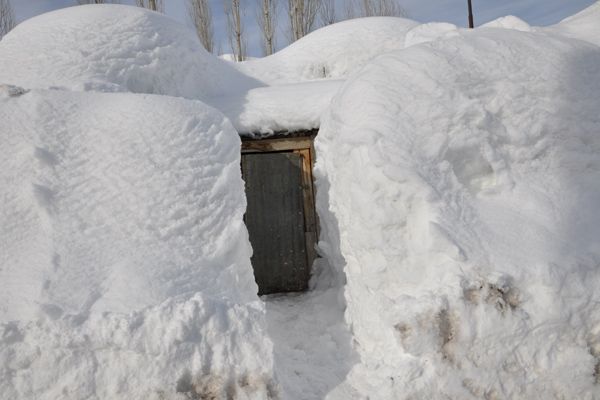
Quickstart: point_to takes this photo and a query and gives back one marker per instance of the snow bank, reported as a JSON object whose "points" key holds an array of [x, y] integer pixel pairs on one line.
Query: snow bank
{"points": [[124, 258], [508, 22], [114, 48], [182, 349], [584, 25], [334, 51], [458, 186], [429, 32]]}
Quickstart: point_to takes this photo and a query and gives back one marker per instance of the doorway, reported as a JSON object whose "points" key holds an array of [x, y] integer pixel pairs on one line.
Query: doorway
{"points": [[280, 214]]}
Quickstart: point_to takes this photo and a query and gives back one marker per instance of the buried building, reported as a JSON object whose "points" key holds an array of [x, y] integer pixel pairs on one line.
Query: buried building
{"points": [[457, 183]]}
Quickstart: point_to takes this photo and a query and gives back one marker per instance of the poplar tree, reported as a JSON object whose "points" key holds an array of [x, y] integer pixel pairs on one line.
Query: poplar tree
{"points": [[154, 5], [7, 17], [302, 15], [201, 15], [235, 29], [267, 22]]}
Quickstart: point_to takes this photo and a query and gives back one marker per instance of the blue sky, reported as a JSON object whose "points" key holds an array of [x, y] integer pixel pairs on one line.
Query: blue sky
{"points": [[536, 12]]}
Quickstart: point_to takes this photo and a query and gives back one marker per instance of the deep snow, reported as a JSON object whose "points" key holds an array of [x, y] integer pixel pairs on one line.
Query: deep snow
{"points": [[458, 179], [331, 52], [464, 176], [125, 261], [283, 108], [114, 48]]}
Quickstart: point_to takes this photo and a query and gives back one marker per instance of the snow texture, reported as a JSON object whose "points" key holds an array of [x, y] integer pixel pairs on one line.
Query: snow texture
{"points": [[508, 22], [263, 111], [114, 48], [335, 51], [458, 176], [584, 25], [125, 260], [461, 178]]}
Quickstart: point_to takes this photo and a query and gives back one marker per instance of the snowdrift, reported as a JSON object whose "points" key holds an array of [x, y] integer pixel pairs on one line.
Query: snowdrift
{"points": [[508, 22], [114, 48], [125, 260], [584, 25], [463, 177], [334, 51]]}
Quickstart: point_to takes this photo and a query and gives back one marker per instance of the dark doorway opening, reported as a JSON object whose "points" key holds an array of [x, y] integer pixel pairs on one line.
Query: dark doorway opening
{"points": [[280, 214]]}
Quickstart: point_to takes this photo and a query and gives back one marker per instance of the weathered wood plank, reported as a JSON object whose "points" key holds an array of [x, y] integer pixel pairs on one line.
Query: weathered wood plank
{"points": [[310, 222], [313, 159], [282, 144]]}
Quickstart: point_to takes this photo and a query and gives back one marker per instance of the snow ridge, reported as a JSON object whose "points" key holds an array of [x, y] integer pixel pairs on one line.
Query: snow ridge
{"points": [[463, 176]]}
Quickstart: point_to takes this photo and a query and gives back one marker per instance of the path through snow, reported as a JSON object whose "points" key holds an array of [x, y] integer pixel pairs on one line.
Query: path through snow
{"points": [[311, 343]]}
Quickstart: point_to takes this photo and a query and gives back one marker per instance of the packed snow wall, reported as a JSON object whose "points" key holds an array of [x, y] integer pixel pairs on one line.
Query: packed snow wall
{"points": [[458, 183], [125, 260]]}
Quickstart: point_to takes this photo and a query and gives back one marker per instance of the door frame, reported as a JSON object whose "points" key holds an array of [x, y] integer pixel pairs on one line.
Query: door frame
{"points": [[300, 143]]}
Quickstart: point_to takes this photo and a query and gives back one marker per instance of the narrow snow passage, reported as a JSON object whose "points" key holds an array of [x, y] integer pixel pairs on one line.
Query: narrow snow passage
{"points": [[311, 343]]}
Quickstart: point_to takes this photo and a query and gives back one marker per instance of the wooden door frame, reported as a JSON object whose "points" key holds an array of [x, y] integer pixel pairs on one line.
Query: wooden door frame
{"points": [[300, 143]]}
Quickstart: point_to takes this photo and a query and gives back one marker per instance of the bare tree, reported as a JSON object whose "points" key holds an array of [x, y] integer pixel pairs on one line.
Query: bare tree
{"points": [[374, 8], [201, 15], [382, 8], [7, 17], [266, 16], [97, 1], [154, 5], [350, 9], [327, 12], [235, 29], [302, 17]]}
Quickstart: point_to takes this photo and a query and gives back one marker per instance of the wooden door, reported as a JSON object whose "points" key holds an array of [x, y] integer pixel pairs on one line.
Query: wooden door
{"points": [[275, 218]]}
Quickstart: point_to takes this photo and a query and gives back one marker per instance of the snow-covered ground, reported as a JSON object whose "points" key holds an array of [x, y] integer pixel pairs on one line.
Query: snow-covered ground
{"points": [[458, 177]]}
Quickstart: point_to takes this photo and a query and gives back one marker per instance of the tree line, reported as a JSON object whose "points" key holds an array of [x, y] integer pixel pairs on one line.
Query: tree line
{"points": [[303, 17]]}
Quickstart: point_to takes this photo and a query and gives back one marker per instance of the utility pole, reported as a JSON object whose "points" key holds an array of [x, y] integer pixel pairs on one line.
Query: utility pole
{"points": [[471, 25]]}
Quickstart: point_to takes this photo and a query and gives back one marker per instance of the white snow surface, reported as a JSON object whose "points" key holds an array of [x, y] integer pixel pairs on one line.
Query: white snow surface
{"points": [[262, 111], [462, 179], [458, 176], [508, 22], [124, 258], [114, 48], [335, 51], [429, 32], [584, 25]]}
